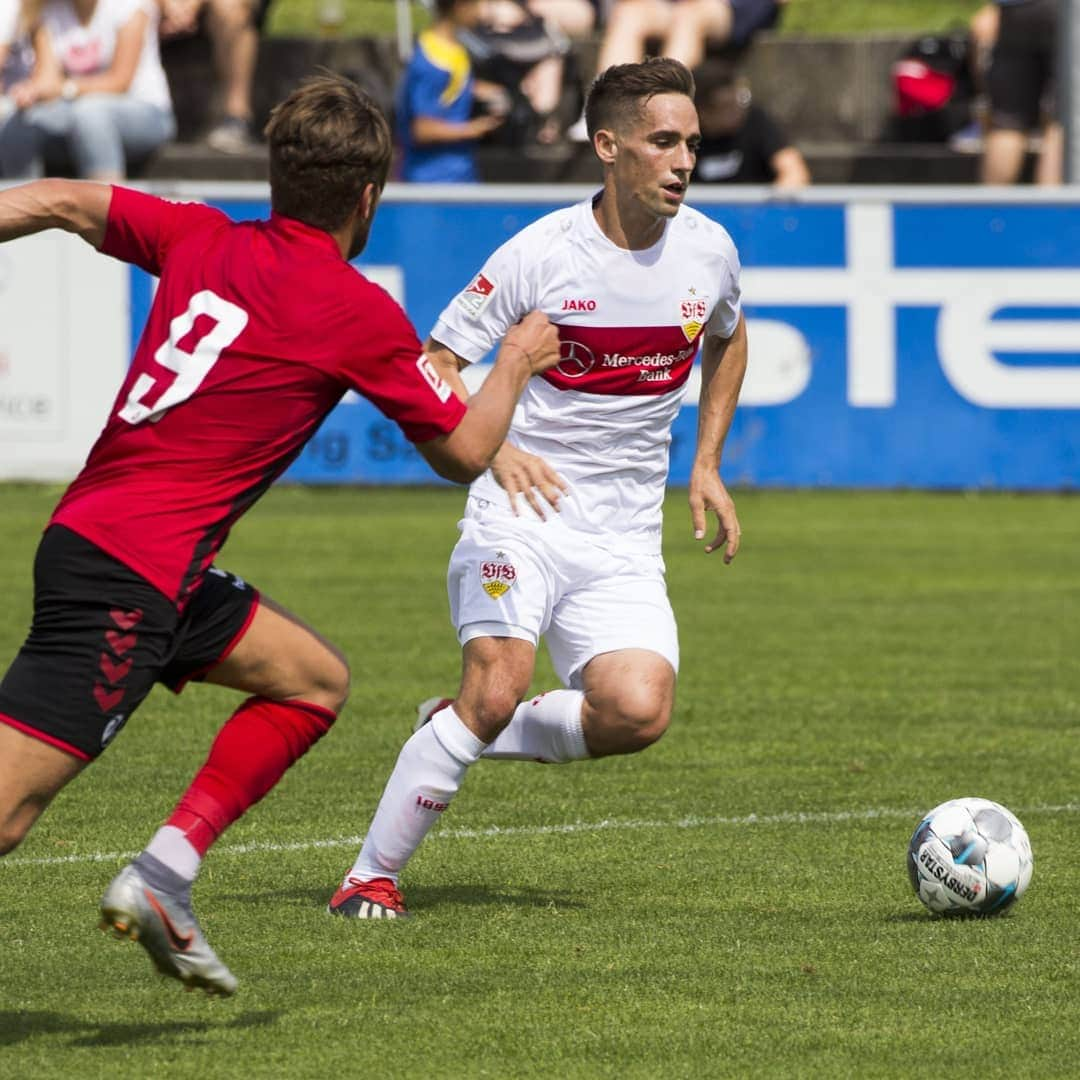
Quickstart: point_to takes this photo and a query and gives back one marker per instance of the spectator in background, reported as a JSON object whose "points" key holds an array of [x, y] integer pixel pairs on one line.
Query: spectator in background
{"points": [[740, 142], [683, 27], [435, 124], [1020, 83], [516, 49], [16, 54], [575, 18], [96, 99], [233, 27]]}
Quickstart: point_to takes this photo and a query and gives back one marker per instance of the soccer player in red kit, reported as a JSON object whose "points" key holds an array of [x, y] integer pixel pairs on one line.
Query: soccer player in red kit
{"points": [[256, 331]]}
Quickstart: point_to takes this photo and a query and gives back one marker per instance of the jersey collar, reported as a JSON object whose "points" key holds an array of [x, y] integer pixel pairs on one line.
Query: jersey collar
{"points": [[298, 230]]}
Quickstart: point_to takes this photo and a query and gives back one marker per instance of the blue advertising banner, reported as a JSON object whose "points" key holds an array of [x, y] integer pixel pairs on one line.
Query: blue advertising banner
{"points": [[929, 342]]}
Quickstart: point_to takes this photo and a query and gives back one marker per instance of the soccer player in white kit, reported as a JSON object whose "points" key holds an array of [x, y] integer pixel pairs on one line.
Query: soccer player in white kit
{"points": [[636, 283]]}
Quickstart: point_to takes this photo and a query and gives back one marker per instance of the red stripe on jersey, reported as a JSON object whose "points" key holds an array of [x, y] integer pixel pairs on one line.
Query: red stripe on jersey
{"points": [[640, 360]]}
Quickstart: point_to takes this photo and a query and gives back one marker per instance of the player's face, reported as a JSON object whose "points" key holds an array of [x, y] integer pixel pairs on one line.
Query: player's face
{"points": [[655, 157]]}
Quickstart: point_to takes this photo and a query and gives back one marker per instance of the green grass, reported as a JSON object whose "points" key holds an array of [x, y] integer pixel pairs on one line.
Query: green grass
{"points": [[815, 17], [867, 656]]}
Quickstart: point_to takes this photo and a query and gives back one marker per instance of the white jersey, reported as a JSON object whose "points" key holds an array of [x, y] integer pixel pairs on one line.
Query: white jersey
{"points": [[630, 323]]}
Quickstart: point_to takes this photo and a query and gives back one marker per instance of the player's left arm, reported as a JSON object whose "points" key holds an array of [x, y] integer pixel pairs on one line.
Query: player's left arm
{"points": [[723, 365], [76, 206]]}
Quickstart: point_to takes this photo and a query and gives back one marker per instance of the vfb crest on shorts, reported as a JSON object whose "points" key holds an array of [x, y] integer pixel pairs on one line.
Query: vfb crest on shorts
{"points": [[692, 315], [497, 575]]}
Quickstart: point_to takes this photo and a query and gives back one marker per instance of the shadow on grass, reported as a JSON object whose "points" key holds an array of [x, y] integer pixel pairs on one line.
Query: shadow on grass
{"points": [[17, 1026], [950, 917], [430, 897], [435, 896]]}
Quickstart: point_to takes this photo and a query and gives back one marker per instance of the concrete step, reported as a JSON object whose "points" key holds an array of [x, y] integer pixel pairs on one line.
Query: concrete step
{"points": [[830, 163]]}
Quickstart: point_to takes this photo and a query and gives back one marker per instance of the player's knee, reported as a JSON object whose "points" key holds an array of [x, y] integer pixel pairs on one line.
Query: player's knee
{"points": [[645, 727], [496, 707], [338, 683], [634, 720], [11, 835], [329, 682]]}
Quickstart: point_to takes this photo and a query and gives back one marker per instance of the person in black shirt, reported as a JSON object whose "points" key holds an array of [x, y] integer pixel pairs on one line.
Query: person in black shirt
{"points": [[1021, 81], [740, 142]]}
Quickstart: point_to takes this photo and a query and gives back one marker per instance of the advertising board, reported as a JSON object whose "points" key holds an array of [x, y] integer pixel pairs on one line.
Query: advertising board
{"points": [[923, 339]]}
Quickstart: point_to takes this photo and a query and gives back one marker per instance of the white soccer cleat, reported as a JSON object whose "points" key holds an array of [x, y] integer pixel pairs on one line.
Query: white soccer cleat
{"points": [[166, 927]]}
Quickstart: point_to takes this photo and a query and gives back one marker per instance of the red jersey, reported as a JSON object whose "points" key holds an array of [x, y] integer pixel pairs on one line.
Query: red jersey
{"points": [[256, 331]]}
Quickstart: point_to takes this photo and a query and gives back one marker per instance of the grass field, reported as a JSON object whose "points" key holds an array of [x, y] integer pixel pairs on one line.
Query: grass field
{"points": [[732, 903], [814, 17]]}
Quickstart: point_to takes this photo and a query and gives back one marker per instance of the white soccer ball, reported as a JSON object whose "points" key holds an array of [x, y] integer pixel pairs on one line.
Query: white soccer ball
{"points": [[969, 856]]}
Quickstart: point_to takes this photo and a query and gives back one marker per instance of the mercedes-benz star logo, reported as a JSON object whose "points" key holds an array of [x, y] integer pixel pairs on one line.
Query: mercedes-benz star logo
{"points": [[577, 359]]}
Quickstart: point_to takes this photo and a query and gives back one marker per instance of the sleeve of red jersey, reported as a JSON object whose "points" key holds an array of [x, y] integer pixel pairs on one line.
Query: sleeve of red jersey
{"points": [[391, 370], [142, 229]]}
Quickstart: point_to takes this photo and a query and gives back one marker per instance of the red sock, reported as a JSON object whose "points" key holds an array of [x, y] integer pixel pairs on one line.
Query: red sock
{"points": [[249, 756]]}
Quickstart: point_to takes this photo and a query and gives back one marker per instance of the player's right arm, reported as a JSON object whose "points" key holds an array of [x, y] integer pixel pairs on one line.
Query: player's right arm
{"points": [[76, 206], [516, 471]]}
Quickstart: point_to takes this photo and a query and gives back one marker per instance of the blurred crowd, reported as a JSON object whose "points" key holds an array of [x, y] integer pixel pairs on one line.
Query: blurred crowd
{"points": [[83, 90]]}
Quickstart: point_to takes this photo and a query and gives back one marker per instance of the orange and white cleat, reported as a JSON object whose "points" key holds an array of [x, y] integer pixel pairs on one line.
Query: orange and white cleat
{"points": [[166, 927]]}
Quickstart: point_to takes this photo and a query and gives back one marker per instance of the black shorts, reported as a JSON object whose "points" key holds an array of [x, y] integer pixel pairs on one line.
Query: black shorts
{"points": [[1021, 76], [102, 636]]}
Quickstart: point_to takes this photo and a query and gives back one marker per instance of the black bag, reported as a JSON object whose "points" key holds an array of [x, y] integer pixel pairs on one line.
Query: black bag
{"points": [[504, 57], [933, 88]]}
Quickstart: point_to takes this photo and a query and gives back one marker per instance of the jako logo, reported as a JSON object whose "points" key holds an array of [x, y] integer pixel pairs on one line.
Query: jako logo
{"points": [[579, 305]]}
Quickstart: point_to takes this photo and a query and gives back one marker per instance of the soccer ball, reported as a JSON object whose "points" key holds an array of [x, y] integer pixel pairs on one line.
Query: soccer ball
{"points": [[969, 856]]}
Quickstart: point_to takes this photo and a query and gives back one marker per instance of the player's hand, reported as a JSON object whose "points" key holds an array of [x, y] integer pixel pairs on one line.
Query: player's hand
{"points": [[707, 492], [525, 474], [538, 338]]}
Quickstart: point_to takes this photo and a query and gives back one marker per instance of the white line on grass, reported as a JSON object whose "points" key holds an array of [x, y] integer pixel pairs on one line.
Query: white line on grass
{"points": [[790, 817]]}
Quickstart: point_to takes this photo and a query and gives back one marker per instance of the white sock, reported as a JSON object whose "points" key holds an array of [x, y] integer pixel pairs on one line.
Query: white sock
{"points": [[545, 728], [170, 846], [428, 773]]}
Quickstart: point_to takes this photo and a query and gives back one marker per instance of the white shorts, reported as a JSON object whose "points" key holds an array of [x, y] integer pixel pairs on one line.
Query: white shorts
{"points": [[511, 577]]}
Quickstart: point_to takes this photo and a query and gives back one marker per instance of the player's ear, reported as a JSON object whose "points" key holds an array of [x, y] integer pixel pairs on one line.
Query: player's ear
{"points": [[605, 145], [369, 201]]}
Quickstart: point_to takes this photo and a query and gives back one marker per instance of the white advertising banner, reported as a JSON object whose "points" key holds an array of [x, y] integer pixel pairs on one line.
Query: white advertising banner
{"points": [[64, 345]]}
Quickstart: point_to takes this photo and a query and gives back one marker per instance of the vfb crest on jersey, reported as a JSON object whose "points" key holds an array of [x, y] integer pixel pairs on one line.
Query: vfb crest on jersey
{"points": [[497, 575], [693, 313]]}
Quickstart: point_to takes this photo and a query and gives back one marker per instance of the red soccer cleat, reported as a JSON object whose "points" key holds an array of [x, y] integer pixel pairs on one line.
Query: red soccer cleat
{"points": [[378, 898]]}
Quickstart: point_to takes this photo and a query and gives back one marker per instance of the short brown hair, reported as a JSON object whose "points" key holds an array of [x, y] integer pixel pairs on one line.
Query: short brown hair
{"points": [[618, 95], [328, 141]]}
